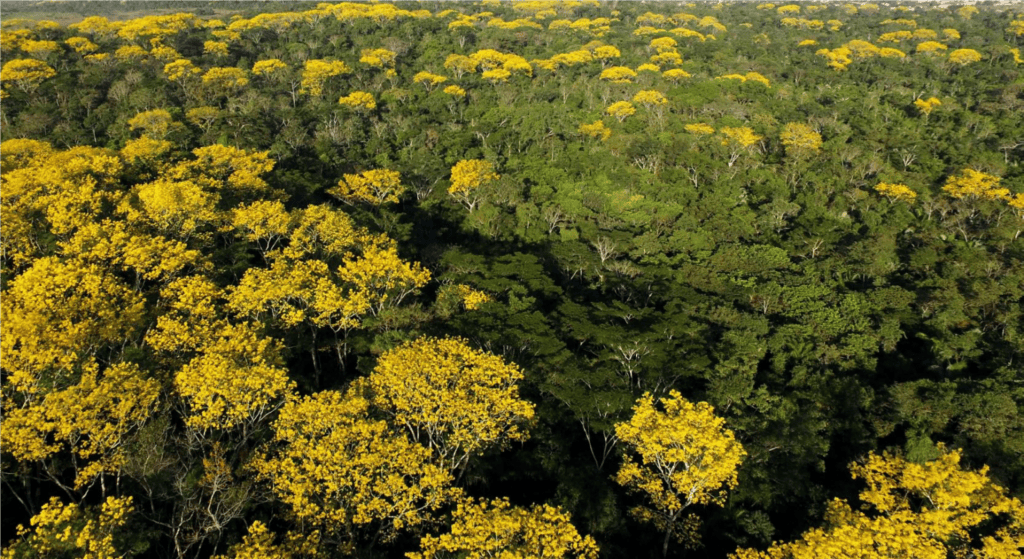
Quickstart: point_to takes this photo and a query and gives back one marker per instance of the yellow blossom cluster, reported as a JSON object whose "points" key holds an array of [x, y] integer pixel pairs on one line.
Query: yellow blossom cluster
{"points": [[377, 186], [974, 185], [497, 529], [926, 106], [359, 100], [596, 129], [896, 192], [455, 400]]}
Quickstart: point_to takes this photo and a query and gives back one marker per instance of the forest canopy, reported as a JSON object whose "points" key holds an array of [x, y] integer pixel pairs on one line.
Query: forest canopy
{"points": [[521, 279]]}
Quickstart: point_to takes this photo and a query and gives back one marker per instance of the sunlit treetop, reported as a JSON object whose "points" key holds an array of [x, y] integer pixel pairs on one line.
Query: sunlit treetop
{"points": [[838, 58], [268, 67], [97, 26], [931, 47], [338, 468], [131, 53], [258, 543], [154, 124], [38, 49], [676, 74], [926, 106], [618, 74], [215, 48], [459, 65], [739, 136], [889, 52], [237, 378], [606, 52], [135, 30], [164, 53], [650, 98], [751, 76], [497, 529], [454, 399], [378, 58], [377, 186], [359, 100], [81, 45], [597, 129], [25, 74], [932, 510], [967, 12], [895, 36], [964, 57], [896, 192], [861, 49], [801, 137], [496, 76], [428, 80], [677, 454], [315, 74], [974, 185], [925, 35], [181, 70], [699, 129], [686, 32], [514, 24], [61, 530], [455, 91], [468, 178], [912, 24], [58, 313], [92, 418]]}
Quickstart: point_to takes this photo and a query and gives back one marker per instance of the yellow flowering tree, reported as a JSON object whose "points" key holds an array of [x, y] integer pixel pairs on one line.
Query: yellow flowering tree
{"points": [[926, 106], [377, 186], [453, 399], [738, 140], [315, 74], [497, 529], [155, 124], [460, 65], [259, 544], [224, 81], [618, 74], [676, 457], [70, 531], [340, 470], [621, 110], [236, 381], [963, 57], [974, 185], [933, 510], [323, 272], [896, 192], [469, 177], [58, 314], [650, 99], [428, 80], [25, 74], [91, 420], [359, 100], [596, 129], [269, 69], [455, 91], [800, 138]]}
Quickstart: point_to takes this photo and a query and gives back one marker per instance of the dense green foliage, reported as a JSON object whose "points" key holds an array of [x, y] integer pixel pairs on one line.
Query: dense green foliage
{"points": [[820, 238]]}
